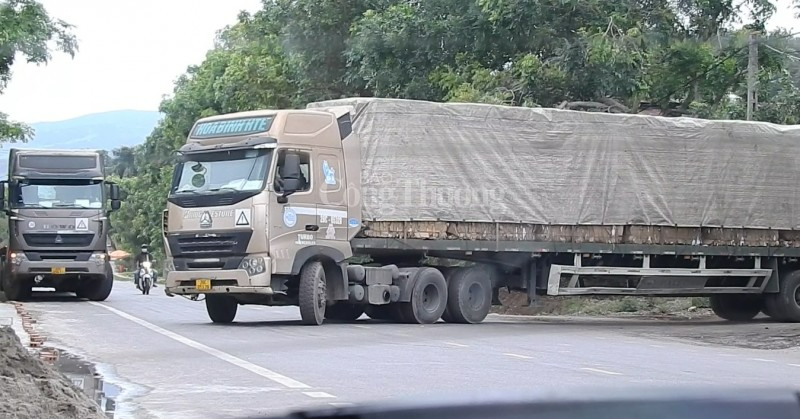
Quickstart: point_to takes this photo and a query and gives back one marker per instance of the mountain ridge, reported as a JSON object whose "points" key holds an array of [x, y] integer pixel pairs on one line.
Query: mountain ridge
{"points": [[104, 130]]}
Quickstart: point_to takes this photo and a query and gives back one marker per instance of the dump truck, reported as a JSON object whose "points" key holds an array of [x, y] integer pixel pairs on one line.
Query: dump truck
{"points": [[57, 209], [415, 211]]}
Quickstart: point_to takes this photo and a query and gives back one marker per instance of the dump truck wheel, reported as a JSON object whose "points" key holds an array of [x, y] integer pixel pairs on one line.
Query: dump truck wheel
{"points": [[469, 295], [221, 308], [428, 298], [312, 298], [736, 307], [786, 303], [97, 289], [344, 311], [16, 289]]}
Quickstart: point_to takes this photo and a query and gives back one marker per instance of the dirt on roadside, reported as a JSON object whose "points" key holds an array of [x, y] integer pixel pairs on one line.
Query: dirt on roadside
{"points": [[30, 388]]}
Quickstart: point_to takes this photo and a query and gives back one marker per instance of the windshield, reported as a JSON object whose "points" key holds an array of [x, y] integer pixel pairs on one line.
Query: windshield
{"points": [[225, 171], [57, 194]]}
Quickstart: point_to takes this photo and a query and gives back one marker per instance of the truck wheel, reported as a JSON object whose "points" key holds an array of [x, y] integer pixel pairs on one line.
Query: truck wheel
{"points": [[344, 311], [469, 296], [312, 298], [428, 298], [736, 307], [786, 303], [772, 308], [16, 289], [97, 289], [221, 308]]}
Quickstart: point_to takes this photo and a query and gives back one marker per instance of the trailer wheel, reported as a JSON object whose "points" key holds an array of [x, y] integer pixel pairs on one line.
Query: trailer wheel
{"points": [[312, 298], [786, 303], [221, 308], [469, 296], [736, 307], [344, 311], [428, 298]]}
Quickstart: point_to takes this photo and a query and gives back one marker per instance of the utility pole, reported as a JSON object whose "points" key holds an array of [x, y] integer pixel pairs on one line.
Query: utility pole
{"points": [[752, 75]]}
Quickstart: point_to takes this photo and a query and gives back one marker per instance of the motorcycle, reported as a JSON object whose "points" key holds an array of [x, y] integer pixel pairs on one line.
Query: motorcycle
{"points": [[146, 277]]}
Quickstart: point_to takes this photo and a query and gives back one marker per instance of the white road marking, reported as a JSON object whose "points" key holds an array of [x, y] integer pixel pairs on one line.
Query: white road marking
{"points": [[456, 344], [653, 345], [518, 356], [601, 371], [761, 360], [794, 365], [319, 395], [361, 326], [249, 366], [341, 404]]}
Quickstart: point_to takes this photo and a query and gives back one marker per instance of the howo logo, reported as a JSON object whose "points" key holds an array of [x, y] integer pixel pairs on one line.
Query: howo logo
{"points": [[59, 226]]}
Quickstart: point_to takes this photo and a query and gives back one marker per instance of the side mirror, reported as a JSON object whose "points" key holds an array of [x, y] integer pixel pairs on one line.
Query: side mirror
{"points": [[113, 191], [3, 194], [115, 204]]}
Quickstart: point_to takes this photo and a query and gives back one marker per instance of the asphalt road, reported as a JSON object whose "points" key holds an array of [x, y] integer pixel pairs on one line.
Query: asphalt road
{"points": [[173, 363]]}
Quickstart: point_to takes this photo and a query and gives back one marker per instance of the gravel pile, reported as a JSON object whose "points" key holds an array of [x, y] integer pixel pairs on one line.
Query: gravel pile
{"points": [[30, 388]]}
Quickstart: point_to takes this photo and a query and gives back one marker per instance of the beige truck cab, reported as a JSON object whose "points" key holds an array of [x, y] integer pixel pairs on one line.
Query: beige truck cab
{"points": [[259, 204]]}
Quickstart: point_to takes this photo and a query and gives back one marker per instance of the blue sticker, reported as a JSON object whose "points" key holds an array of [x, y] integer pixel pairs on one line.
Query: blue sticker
{"points": [[352, 222], [289, 217], [329, 172]]}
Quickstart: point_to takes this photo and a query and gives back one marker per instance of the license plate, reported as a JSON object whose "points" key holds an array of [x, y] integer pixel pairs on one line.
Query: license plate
{"points": [[58, 271], [202, 284]]}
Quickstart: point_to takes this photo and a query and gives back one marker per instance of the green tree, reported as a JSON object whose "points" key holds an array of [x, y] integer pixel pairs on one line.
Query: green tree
{"points": [[25, 30]]}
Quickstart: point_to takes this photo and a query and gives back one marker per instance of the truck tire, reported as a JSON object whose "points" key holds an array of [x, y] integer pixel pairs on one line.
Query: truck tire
{"points": [[772, 308], [97, 289], [16, 289], [785, 305], [344, 311], [312, 293], [736, 307], [428, 298], [221, 308], [469, 296]]}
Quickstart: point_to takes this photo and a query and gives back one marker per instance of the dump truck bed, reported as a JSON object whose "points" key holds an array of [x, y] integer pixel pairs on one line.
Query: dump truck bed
{"points": [[489, 173]]}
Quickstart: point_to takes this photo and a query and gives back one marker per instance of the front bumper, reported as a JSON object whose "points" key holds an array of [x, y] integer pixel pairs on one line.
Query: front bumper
{"points": [[95, 266], [234, 281]]}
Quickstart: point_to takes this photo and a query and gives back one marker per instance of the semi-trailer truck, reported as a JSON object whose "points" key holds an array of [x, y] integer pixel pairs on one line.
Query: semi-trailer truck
{"points": [[362, 205], [57, 223]]}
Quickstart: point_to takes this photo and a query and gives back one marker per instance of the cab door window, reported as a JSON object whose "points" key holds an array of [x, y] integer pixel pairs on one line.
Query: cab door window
{"points": [[305, 172]]}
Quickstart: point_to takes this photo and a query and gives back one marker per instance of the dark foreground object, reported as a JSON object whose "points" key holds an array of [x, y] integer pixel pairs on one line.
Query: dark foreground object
{"points": [[589, 404]]}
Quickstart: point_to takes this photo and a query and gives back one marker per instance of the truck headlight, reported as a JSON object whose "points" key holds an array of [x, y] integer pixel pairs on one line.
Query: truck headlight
{"points": [[98, 257], [17, 257], [253, 266]]}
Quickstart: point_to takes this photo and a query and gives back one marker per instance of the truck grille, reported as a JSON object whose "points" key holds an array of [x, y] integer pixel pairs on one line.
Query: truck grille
{"points": [[214, 245], [57, 240]]}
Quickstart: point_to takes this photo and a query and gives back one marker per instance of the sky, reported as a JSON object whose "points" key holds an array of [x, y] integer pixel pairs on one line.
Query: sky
{"points": [[131, 52]]}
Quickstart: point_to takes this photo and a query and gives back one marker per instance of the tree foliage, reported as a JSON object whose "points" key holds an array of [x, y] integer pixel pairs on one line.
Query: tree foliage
{"points": [[671, 57], [26, 30]]}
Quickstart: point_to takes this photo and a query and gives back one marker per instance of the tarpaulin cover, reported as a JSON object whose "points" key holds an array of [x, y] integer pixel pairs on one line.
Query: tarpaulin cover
{"points": [[476, 162]]}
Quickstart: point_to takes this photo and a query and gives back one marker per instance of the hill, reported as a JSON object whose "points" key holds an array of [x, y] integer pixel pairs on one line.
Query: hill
{"points": [[103, 131]]}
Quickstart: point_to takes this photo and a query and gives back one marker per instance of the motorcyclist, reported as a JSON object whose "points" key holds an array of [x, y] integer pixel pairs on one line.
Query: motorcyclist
{"points": [[143, 256]]}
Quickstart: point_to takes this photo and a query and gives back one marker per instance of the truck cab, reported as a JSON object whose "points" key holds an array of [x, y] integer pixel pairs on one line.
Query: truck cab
{"points": [[257, 195], [57, 223]]}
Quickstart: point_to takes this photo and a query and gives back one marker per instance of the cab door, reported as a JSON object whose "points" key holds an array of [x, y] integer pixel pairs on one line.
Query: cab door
{"points": [[331, 204]]}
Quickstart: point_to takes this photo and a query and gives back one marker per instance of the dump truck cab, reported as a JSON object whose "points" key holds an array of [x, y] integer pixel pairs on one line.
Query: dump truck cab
{"points": [[254, 196], [57, 223]]}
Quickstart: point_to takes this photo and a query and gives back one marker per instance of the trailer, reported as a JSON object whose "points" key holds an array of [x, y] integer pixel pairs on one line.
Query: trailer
{"points": [[362, 205]]}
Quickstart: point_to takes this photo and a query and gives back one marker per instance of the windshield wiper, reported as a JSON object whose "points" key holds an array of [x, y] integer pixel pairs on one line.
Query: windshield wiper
{"points": [[65, 205], [186, 191]]}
